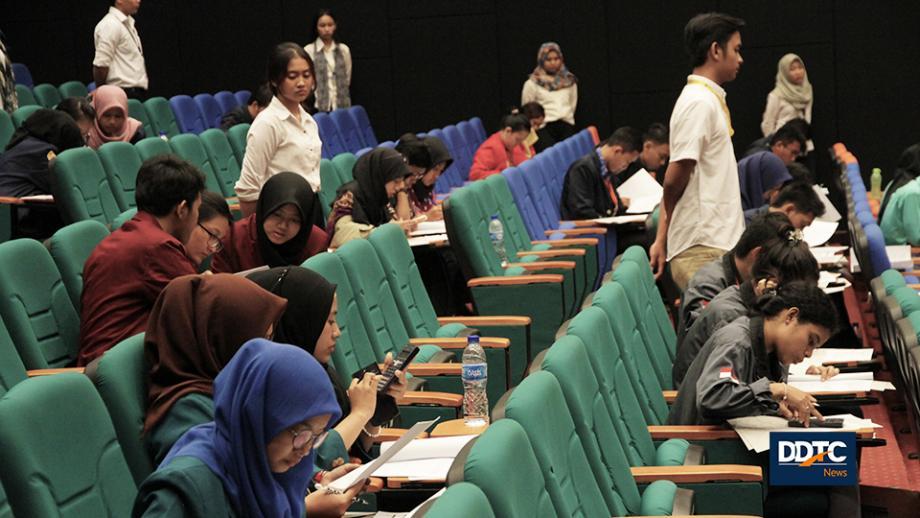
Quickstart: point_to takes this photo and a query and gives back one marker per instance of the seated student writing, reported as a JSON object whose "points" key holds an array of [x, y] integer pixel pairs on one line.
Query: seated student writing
{"points": [[214, 221], [539, 138], [279, 233], [81, 110], [654, 154], [25, 164], [760, 177], [113, 124], [309, 322], [417, 157], [731, 269], [126, 272], [273, 408], [259, 99], [588, 190], [797, 200], [421, 192], [780, 262], [503, 149]]}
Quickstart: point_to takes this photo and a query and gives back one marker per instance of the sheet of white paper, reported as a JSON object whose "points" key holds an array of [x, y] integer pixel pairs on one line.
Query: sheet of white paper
{"points": [[358, 476], [435, 448], [830, 213], [41, 198], [427, 228], [843, 376], [422, 469], [900, 257], [641, 185], [620, 220], [854, 264], [819, 232], [833, 386], [755, 431], [822, 356], [427, 240], [829, 255], [832, 282], [642, 205]]}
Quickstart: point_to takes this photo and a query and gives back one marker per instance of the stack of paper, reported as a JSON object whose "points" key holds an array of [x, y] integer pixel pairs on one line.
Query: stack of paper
{"points": [[829, 255], [832, 282], [830, 355], [427, 228], [842, 386], [423, 459], [755, 431], [427, 239], [819, 232], [830, 212], [621, 220], [643, 191]]}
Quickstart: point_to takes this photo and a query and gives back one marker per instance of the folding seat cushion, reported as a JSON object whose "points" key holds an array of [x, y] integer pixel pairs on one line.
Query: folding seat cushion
{"points": [[460, 501], [6, 128], [25, 96], [333, 144], [23, 75], [73, 89], [222, 160], [45, 472], [189, 147], [363, 123], [348, 130], [162, 116], [237, 137], [151, 147], [120, 378], [242, 97], [24, 112], [70, 247], [137, 111], [210, 109], [188, 116], [47, 95], [81, 188], [227, 102], [345, 165], [121, 162]]}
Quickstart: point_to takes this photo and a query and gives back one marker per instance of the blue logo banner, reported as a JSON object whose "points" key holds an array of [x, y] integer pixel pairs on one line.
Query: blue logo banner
{"points": [[813, 459]]}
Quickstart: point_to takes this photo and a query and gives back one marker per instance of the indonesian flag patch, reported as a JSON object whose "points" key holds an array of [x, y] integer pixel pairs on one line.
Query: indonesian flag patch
{"points": [[728, 372]]}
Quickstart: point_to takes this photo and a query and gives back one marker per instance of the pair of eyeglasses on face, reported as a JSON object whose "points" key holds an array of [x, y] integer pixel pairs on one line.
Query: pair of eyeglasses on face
{"points": [[214, 243], [306, 437]]}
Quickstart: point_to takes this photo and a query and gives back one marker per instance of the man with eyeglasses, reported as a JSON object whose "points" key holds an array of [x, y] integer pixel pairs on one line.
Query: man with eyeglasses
{"points": [[214, 222]]}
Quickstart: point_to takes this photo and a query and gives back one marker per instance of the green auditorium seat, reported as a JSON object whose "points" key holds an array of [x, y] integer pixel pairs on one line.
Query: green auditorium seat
{"points": [[345, 164], [6, 129], [59, 452], [137, 111], [461, 500], [637, 255], [24, 112], [73, 89], [189, 147], [120, 378], [151, 147], [122, 218], [121, 162], [35, 306], [81, 188], [12, 371], [222, 159], [501, 462], [47, 95], [162, 116], [25, 96], [237, 137], [70, 247], [329, 183]]}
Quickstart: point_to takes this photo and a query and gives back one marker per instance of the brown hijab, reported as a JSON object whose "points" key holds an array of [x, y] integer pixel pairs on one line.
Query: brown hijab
{"points": [[196, 326]]}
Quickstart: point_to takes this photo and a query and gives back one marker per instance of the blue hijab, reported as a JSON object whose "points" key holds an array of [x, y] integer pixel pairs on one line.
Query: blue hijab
{"points": [[758, 174], [265, 389]]}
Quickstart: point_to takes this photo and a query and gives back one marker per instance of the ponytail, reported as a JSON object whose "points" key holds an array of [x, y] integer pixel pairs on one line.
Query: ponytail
{"points": [[814, 305], [786, 258], [516, 121]]}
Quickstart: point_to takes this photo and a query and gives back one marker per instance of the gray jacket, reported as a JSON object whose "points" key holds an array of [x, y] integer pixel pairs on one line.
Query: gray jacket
{"points": [[705, 284]]}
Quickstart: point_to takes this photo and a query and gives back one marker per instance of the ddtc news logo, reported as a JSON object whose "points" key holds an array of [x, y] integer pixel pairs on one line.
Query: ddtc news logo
{"points": [[813, 459]]}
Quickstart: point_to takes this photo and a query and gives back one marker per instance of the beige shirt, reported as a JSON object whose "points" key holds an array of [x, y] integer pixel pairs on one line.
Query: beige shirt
{"points": [[709, 212], [329, 54], [277, 142], [118, 47], [557, 104], [779, 111], [347, 229]]}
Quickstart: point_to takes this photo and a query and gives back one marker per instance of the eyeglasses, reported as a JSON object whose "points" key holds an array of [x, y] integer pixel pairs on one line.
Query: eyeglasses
{"points": [[305, 437], [214, 243]]}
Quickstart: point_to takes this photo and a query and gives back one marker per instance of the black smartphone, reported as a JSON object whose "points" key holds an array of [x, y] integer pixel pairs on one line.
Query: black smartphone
{"points": [[372, 368], [814, 422], [404, 358]]}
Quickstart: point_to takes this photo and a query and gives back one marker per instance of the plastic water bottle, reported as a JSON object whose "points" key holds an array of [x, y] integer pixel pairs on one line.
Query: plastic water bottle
{"points": [[876, 183], [497, 234], [163, 136], [475, 376]]}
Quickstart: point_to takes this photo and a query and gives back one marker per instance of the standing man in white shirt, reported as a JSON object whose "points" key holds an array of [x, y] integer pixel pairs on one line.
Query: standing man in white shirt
{"points": [[119, 58], [701, 216]]}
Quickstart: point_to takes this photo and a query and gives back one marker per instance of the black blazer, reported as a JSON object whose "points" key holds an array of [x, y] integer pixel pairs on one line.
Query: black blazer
{"points": [[584, 195]]}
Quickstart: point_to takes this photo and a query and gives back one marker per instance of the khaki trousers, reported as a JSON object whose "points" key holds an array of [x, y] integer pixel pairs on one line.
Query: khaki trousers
{"points": [[686, 263]]}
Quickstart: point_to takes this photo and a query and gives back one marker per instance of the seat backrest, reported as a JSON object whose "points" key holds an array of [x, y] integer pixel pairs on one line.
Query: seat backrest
{"points": [[242, 97], [24, 112], [151, 147], [480, 129], [333, 144], [892, 279], [227, 102], [547, 208], [460, 151], [524, 202], [496, 186], [329, 181], [6, 128], [188, 116], [73, 89], [363, 123], [25, 96], [539, 406], [636, 254], [503, 465], [120, 378], [23, 75], [469, 235], [459, 501], [488, 207], [35, 306], [189, 147], [137, 111], [222, 159], [121, 162], [45, 472], [12, 370], [210, 109], [450, 177], [70, 247], [469, 135], [348, 129], [345, 165], [162, 116], [47, 95], [878, 256], [402, 272], [81, 188], [237, 137]]}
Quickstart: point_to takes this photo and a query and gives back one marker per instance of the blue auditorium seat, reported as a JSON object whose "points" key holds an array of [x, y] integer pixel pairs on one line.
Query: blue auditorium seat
{"points": [[210, 110], [242, 97], [188, 116], [329, 134], [227, 101], [363, 123], [22, 74], [348, 130]]}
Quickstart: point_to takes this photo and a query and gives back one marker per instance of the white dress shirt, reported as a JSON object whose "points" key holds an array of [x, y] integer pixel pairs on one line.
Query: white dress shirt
{"points": [[118, 47]]}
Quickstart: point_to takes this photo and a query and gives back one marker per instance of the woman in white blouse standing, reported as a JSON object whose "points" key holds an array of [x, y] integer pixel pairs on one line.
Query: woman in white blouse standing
{"points": [[333, 64], [556, 89], [283, 137], [791, 98]]}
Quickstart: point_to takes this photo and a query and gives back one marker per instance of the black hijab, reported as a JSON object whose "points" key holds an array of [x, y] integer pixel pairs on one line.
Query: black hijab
{"points": [[908, 169], [51, 126], [372, 172], [439, 153], [279, 190]]}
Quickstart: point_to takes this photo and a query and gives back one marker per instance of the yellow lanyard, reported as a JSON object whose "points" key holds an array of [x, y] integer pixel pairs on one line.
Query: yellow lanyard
{"points": [[728, 116]]}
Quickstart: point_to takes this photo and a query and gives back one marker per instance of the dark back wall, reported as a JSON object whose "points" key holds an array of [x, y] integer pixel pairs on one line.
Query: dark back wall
{"points": [[420, 64]]}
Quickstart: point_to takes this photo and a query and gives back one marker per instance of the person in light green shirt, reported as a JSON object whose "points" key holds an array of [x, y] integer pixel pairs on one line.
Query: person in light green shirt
{"points": [[901, 220]]}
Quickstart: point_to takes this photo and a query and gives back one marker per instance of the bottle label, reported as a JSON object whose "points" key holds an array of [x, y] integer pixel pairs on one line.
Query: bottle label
{"points": [[475, 371]]}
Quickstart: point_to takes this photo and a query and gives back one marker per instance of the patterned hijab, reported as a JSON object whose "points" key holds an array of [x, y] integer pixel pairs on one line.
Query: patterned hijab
{"points": [[797, 95], [561, 79]]}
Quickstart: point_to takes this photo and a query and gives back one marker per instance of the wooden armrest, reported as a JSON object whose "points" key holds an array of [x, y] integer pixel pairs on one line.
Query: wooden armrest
{"points": [[431, 398], [48, 372], [515, 280], [391, 434], [374, 485], [10, 200], [399, 482], [501, 320], [234, 206], [915, 286], [577, 231], [460, 343], [574, 241], [691, 432], [433, 369], [456, 427], [561, 252], [697, 474], [580, 222], [544, 265], [670, 396]]}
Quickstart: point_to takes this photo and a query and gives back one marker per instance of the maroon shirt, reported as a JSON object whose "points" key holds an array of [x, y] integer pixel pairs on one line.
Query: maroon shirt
{"points": [[241, 248], [122, 279]]}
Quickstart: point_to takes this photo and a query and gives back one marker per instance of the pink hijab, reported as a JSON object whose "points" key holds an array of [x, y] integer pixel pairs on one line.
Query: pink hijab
{"points": [[105, 98]]}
